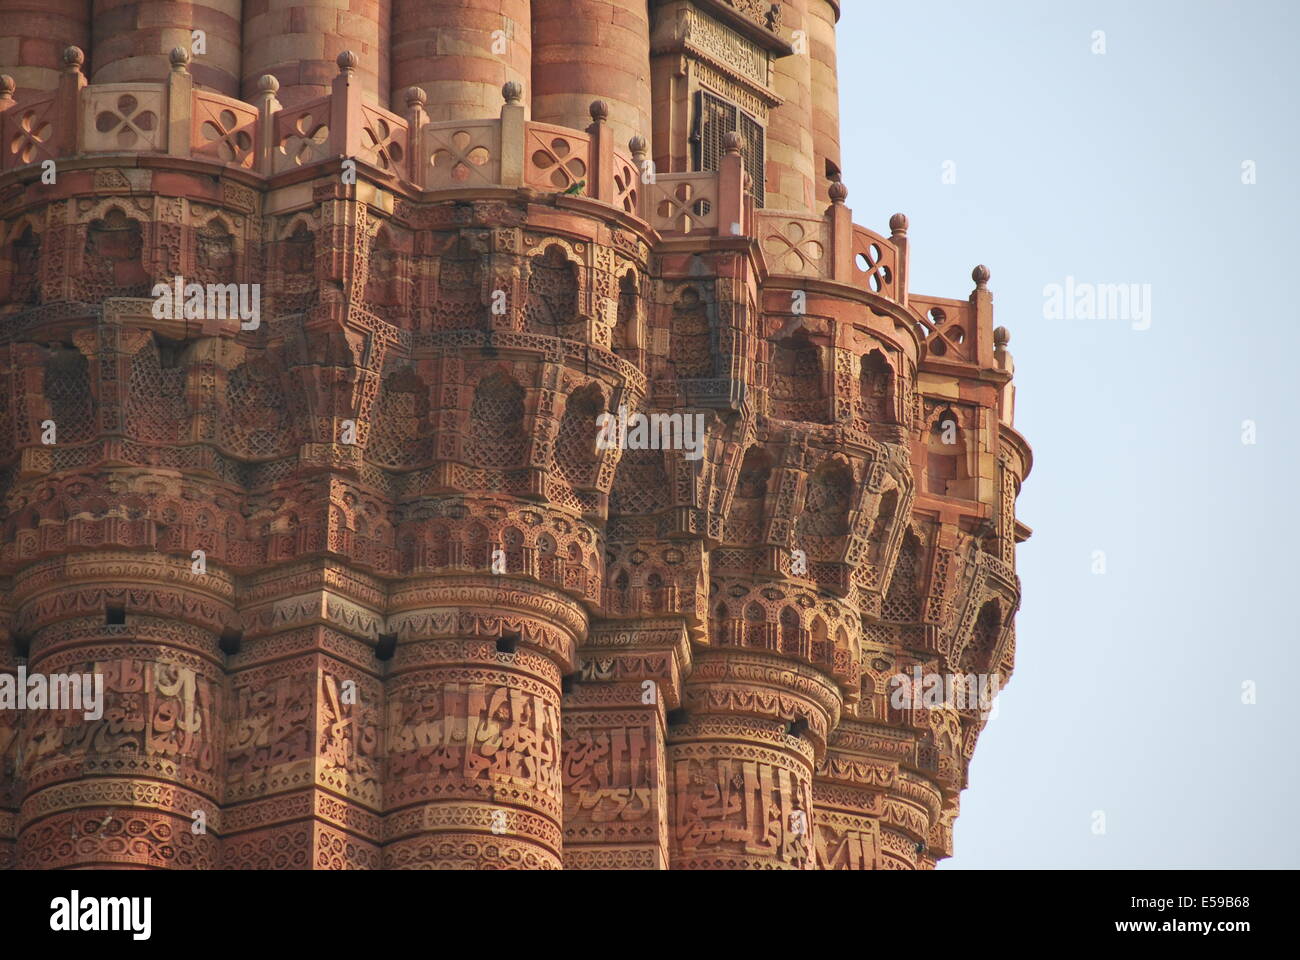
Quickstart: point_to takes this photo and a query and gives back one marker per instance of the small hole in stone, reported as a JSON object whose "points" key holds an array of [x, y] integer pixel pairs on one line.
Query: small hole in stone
{"points": [[508, 643], [676, 717], [114, 615], [230, 641], [386, 647]]}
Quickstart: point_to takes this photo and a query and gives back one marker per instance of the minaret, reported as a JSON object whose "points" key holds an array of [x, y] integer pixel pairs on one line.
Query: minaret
{"points": [[476, 434]]}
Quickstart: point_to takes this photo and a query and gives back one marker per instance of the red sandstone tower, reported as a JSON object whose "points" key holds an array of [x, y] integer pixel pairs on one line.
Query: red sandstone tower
{"points": [[363, 583]]}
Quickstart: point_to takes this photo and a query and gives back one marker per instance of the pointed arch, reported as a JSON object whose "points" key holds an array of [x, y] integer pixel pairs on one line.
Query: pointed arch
{"points": [[797, 384], [947, 472], [826, 507], [553, 289], [903, 598], [690, 339], [876, 389], [401, 434], [744, 525], [576, 456], [627, 322]]}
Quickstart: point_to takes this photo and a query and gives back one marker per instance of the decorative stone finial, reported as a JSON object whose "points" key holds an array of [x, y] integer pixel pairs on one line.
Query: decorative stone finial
{"points": [[638, 146], [73, 56], [512, 91], [732, 143], [898, 225], [179, 57], [267, 83], [599, 111], [981, 276], [7, 87], [838, 192], [1001, 336], [416, 97], [347, 61]]}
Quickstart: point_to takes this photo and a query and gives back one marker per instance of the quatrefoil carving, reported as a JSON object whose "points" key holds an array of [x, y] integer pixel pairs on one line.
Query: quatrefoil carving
{"points": [[565, 169], [460, 157], [130, 124], [232, 145], [878, 275], [32, 132], [304, 144], [382, 145], [683, 207], [795, 248]]}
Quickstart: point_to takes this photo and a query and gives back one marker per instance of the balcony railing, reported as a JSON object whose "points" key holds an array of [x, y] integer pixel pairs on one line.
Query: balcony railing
{"points": [[173, 118]]}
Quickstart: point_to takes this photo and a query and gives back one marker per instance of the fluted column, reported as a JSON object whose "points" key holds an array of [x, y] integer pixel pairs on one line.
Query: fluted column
{"points": [[472, 728], [790, 165], [460, 53], [132, 40], [33, 36], [823, 61], [298, 42], [741, 763], [125, 788], [585, 50]]}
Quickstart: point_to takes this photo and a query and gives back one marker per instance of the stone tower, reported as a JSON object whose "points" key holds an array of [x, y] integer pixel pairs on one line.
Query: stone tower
{"points": [[314, 319]]}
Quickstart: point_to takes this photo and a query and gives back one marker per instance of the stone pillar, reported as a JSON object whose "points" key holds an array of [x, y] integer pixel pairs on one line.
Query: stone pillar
{"points": [[472, 728], [585, 50], [741, 762], [615, 763], [124, 788], [790, 172], [823, 15], [461, 53], [132, 41], [302, 783], [33, 36], [298, 42], [873, 812]]}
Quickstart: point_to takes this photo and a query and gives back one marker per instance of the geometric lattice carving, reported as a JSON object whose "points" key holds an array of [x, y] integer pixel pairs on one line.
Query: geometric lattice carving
{"points": [[552, 291], [155, 397], [496, 435], [689, 339], [576, 456], [256, 410], [400, 436], [798, 389], [903, 599], [67, 390], [641, 484], [826, 508]]}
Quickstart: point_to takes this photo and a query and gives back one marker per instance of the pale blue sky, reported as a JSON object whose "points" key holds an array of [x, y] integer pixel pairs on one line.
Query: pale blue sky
{"points": [[1119, 168]]}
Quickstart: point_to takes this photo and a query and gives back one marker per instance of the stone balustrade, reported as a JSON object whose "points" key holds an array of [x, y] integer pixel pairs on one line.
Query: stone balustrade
{"points": [[269, 139]]}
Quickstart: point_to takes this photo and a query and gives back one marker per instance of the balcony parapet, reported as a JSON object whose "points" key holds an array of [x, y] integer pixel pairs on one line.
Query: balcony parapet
{"points": [[174, 119], [267, 139]]}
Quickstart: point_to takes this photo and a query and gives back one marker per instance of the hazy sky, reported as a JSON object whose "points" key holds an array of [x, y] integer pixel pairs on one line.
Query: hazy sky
{"points": [[1119, 167]]}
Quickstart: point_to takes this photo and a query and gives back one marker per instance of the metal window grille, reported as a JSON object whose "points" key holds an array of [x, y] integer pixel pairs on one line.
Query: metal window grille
{"points": [[714, 118]]}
